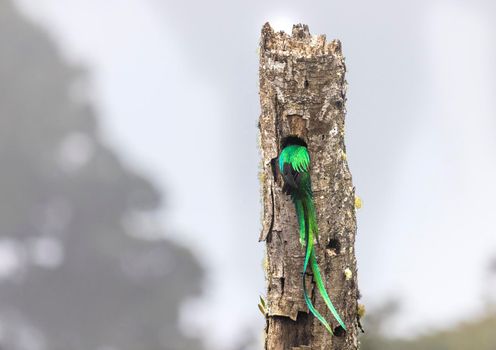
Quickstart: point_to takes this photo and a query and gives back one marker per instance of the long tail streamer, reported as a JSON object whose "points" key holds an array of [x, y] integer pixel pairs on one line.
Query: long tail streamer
{"points": [[308, 227]]}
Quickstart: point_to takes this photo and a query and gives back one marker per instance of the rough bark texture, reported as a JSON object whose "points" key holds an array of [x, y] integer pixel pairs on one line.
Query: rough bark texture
{"points": [[302, 93]]}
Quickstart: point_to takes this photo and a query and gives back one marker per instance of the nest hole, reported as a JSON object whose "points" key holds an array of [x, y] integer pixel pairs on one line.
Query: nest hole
{"points": [[334, 246], [292, 140]]}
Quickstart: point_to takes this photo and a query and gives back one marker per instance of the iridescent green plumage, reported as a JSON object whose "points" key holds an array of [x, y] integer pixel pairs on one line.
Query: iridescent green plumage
{"points": [[294, 162]]}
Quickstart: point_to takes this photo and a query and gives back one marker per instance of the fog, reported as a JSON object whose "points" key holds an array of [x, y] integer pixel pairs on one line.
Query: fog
{"points": [[167, 94]]}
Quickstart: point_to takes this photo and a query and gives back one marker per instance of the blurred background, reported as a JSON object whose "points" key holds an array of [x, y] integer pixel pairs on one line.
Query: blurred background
{"points": [[129, 194]]}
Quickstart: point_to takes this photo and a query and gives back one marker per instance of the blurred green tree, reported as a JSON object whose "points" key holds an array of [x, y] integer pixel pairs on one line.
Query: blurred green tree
{"points": [[475, 334], [78, 272]]}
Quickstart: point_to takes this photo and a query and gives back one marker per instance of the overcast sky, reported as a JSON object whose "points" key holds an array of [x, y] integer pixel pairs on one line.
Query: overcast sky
{"points": [[176, 88]]}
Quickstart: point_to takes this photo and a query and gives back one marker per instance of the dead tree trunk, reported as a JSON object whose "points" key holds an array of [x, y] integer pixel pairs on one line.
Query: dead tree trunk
{"points": [[302, 94]]}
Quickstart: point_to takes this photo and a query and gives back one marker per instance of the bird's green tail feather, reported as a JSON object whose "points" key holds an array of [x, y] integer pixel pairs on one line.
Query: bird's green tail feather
{"points": [[307, 233], [308, 227], [300, 214], [322, 290]]}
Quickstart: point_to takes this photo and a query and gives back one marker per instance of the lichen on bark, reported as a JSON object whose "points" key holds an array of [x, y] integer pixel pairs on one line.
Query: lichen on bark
{"points": [[303, 94]]}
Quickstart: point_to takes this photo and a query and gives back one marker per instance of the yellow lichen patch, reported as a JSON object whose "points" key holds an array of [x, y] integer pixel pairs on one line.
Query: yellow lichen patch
{"points": [[343, 155], [361, 310], [265, 263], [261, 176], [347, 273], [358, 202]]}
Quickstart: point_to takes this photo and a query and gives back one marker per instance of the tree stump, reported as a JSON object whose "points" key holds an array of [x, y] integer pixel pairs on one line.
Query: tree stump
{"points": [[303, 94]]}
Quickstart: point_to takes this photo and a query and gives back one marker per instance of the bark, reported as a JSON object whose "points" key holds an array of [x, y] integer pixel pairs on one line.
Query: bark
{"points": [[302, 94]]}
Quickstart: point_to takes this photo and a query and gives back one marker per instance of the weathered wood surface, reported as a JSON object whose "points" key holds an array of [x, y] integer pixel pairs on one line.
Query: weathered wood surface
{"points": [[302, 93]]}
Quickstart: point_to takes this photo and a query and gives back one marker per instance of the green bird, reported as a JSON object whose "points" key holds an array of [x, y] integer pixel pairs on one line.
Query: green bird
{"points": [[294, 163]]}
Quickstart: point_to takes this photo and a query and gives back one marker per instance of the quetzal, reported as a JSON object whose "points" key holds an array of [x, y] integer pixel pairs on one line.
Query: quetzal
{"points": [[294, 162]]}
